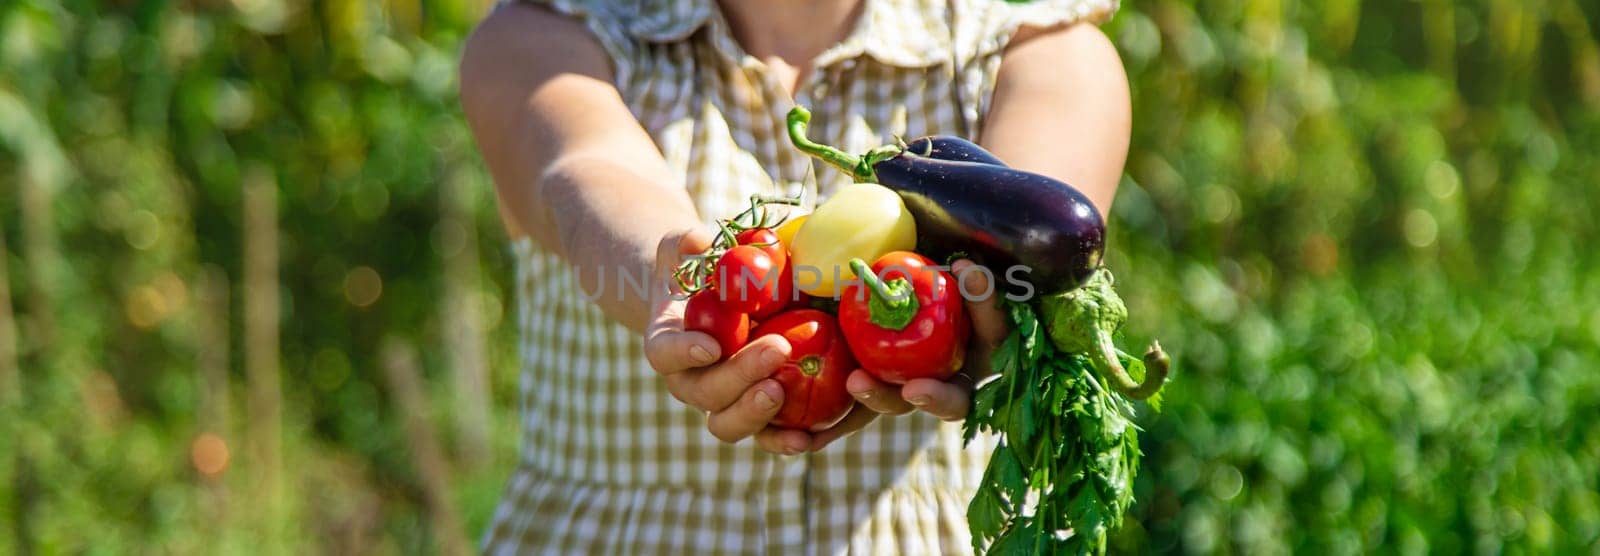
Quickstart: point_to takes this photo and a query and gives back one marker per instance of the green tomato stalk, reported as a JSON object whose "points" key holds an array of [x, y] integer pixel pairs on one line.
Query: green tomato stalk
{"points": [[692, 274]]}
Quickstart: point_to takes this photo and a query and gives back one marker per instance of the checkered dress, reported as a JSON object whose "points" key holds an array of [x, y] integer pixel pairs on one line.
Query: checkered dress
{"points": [[611, 463]]}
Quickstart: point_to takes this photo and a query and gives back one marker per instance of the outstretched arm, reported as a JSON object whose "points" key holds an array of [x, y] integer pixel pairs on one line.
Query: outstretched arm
{"points": [[1061, 109], [573, 168], [575, 171]]}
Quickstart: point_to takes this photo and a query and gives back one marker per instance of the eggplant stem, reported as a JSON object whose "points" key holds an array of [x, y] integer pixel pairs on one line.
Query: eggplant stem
{"points": [[1156, 366], [858, 167]]}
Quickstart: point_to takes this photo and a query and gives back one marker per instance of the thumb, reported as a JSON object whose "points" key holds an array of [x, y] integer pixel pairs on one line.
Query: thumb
{"points": [[678, 244], [694, 241], [675, 247], [988, 320]]}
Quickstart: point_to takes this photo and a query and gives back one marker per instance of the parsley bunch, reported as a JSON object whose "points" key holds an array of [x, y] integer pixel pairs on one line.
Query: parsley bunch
{"points": [[1062, 475]]}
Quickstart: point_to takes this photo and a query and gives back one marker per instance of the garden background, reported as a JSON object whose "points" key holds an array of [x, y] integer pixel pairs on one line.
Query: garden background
{"points": [[254, 296]]}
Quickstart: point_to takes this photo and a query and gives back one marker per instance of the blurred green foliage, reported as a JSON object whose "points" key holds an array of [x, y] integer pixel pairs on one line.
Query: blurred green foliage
{"points": [[1368, 231], [1365, 229]]}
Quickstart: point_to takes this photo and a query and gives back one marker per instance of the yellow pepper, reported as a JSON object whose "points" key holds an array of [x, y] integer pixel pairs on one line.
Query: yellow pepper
{"points": [[789, 227], [862, 221]]}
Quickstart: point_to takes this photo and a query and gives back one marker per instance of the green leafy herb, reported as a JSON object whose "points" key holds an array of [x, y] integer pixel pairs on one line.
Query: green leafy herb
{"points": [[1062, 475]]}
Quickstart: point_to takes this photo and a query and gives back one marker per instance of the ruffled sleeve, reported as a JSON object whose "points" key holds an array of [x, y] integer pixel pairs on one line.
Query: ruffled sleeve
{"points": [[983, 28]]}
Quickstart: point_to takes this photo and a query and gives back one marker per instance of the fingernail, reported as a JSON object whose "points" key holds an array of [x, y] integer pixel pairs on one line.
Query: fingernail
{"points": [[792, 448], [863, 395], [765, 400], [701, 355], [919, 401]]}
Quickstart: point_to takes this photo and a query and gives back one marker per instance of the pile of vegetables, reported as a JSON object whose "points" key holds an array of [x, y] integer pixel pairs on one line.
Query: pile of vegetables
{"points": [[897, 319], [857, 283]]}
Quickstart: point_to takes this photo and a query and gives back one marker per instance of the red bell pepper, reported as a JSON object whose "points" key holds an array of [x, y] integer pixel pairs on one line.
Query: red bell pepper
{"points": [[904, 319], [814, 397]]}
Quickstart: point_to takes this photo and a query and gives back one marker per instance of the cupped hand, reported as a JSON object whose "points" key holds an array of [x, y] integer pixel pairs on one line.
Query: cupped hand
{"points": [[949, 399], [737, 394]]}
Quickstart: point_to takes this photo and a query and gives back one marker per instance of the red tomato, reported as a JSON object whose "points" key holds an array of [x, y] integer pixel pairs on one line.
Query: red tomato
{"points": [[747, 279], [788, 297], [766, 240], [704, 313], [922, 335], [814, 397]]}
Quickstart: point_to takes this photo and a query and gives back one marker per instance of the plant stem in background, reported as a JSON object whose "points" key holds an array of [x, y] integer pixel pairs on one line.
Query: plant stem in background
{"points": [[10, 386], [211, 357], [10, 378], [261, 320], [41, 262], [405, 386], [463, 318]]}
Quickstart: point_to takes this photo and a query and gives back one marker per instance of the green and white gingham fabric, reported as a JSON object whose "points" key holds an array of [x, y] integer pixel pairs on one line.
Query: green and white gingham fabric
{"points": [[611, 463]]}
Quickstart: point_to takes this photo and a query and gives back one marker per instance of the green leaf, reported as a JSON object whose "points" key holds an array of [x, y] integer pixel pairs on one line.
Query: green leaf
{"points": [[1088, 516], [1134, 365], [983, 406], [985, 515], [1004, 360], [1154, 401], [1027, 329], [1024, 423], [1012, 543], [1009, 478]]}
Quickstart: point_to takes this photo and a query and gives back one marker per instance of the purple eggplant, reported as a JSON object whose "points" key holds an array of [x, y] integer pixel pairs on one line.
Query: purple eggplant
{"points": [[1024, 227], [945, 147]]}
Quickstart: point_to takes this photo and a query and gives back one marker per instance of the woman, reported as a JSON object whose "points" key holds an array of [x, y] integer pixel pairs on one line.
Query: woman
{"points": [[616, 130]]}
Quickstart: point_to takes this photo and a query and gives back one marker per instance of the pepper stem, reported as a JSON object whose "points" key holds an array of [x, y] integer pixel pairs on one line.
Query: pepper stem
{"points": [[859, 168], [891, 305], [1156, 366]]}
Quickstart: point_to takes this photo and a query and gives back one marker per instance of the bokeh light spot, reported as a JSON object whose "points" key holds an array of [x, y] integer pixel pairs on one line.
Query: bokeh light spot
{"points": [[172, 289], [493, 310], [1319, 254], [101, 398], [1542, 152], [209, 454], [329, 369], [142, 230], [1420, 228], [449, 237], [146, 307], [370, 201], [363, 286], [1218, 203], [1227, 482], [233, 106], [1442, 179]]}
